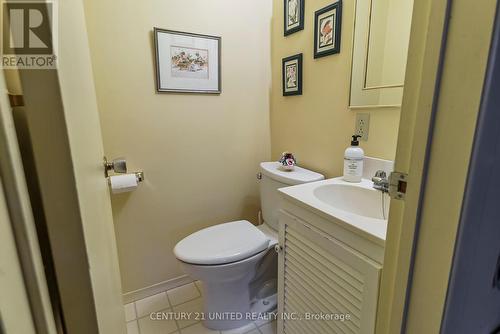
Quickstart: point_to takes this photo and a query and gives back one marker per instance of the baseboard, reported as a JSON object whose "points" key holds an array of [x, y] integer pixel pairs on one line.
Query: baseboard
{"points": [[156, 288]]}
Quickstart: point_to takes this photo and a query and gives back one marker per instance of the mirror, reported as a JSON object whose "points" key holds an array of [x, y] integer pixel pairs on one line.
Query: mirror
{"points": [[381, 38]]}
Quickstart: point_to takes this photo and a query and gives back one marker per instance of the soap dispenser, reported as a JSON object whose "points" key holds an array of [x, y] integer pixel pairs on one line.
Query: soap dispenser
{"points": [[353, 161]]}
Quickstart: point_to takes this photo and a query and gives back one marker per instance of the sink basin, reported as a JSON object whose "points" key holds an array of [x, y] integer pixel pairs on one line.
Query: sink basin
{"points": [[356, 206], [355, 199]]}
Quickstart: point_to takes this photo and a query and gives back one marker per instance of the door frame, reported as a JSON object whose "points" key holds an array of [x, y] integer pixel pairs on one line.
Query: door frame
{"points": [[63, 121], [438, 120], [14, 296], [471, 281], [21, 220], [423, 73]]}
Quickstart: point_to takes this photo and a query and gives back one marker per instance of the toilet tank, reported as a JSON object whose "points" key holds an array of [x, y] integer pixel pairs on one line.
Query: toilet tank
{"points": [[273, 178]]}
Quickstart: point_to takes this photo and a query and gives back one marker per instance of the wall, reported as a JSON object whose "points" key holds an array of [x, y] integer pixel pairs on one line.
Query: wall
{"points": [[199, 153], [318, 125]]}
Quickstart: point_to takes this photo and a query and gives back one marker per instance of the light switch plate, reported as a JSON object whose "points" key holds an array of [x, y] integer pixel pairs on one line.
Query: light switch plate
{"points": [[362, 125]]}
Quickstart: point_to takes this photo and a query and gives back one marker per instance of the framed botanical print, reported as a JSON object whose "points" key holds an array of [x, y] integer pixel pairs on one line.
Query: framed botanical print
{"points": [[292, 75], [187, 63], [327, 30], [294, 16]]}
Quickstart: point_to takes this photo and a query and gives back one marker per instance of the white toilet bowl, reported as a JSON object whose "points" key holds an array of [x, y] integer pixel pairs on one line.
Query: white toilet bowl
{"points": [[226, 291], [236, 262], [225, 259]]}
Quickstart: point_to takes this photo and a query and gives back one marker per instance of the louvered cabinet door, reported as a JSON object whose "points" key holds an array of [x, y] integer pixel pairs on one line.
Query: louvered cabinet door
{"points": [[321, 276]]}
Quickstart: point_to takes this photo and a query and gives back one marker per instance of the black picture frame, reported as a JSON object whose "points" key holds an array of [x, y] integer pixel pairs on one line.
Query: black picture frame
{"points": [[336, 10], [290, 61], [160, 89], [301, 7]]}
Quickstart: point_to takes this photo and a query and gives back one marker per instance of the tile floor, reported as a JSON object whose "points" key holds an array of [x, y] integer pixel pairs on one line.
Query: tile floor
{"points": [[187, 298]]}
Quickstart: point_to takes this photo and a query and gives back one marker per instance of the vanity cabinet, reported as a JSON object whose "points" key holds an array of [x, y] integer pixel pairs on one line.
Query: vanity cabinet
{"points": [[321, 277]]}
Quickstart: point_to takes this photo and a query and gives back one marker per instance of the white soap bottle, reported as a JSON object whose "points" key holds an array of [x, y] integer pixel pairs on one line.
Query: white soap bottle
{"points": [[353, 161]]}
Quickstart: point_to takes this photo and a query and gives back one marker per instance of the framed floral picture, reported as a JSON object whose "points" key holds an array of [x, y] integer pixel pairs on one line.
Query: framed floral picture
{"points": [[187, 62], [294, 16], [327, 30], [292, 75]]}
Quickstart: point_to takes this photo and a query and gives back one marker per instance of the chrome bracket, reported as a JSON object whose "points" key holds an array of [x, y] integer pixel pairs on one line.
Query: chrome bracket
{"points": [[398, 182], [117, 165], [139, 176]]}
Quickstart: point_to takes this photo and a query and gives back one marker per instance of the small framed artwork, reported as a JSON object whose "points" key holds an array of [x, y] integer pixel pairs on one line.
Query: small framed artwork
{"points": [[294, 16], [292, 75], [187, 63], [327, 30]]}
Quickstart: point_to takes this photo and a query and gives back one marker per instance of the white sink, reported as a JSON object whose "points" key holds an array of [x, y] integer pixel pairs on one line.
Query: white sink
{"points": [[352, 198], [356, 205]]}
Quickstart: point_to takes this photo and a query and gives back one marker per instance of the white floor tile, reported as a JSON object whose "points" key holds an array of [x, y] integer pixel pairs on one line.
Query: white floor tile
{"points": [[148, 326], [151, 304], [191, 309], [242, 330], [130, 312], [269, 328], [198, 329], [183, 294], [132, 327]]}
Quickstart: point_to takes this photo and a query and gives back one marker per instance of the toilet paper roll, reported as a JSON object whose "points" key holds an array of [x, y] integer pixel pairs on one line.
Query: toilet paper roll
{"points": [[123, 183]]}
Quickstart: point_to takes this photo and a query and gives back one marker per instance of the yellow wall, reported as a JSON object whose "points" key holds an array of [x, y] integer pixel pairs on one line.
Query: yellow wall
{"points": [[199, 153], [318, 125]]}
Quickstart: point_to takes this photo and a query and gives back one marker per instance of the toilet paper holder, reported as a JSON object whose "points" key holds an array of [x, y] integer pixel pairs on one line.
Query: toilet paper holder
{"points": [[119, 166]]}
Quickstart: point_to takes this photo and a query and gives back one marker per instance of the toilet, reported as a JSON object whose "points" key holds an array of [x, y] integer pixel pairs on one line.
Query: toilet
{"points": [[236, 262]]}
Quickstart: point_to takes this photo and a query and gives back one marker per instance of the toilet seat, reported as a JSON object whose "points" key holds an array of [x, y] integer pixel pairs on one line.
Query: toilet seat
{"points": [[222, 244]]}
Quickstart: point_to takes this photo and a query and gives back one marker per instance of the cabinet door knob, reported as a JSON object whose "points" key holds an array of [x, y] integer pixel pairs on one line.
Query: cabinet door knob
{"points": [[278, 248]]}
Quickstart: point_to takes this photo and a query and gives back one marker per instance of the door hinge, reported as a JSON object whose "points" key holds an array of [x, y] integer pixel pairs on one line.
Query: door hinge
{"points": [[397, 185], [16, 100]]}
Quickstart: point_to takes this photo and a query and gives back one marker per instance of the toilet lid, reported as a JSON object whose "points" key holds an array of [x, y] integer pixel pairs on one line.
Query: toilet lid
{"points": [[220, 244]]}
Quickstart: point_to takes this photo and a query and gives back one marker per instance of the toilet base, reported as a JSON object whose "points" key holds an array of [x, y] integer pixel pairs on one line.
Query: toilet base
{"points": [[226, 305], [261, 309], [236, 310]]}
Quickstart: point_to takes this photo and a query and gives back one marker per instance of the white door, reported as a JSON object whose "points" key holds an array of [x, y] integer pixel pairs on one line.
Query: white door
{"points": [[63, 120]]}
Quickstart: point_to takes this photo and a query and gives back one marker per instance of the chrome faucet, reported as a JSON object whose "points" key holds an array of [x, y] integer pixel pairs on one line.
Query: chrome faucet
{"points": [[380, 181]]}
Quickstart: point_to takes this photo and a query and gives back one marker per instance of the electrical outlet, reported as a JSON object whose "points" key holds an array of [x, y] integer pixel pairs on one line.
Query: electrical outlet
{"points": [[362, 125]]}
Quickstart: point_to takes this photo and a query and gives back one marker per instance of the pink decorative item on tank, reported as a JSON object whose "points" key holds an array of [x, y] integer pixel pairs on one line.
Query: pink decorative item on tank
{"points": [[287, 161]]}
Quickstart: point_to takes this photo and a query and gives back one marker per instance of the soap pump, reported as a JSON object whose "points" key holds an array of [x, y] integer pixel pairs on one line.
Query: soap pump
{"points": [[353, 161]]}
